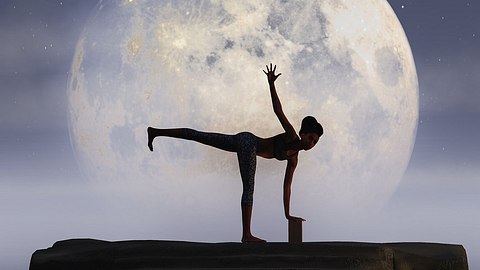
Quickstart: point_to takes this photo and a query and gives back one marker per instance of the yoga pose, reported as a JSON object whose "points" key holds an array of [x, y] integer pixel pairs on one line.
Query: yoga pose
{"points": [[284, 146]]}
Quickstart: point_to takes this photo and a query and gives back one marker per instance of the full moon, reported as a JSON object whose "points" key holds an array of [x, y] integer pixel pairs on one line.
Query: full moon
{"points": [[198, 64]]}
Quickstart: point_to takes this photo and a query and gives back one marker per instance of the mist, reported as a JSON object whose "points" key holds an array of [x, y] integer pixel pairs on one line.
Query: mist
{"points": [[427, 207]]}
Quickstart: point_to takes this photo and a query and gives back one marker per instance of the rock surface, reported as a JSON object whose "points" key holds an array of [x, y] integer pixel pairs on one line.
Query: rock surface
{"points": [[150, 254]]}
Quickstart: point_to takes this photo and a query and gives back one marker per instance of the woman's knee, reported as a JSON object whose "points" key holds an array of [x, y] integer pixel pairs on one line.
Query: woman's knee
{"points": [[247, 199]]}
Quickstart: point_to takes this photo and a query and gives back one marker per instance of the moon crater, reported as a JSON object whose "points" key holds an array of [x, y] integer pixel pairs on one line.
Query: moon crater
{"points": [[389, 66]]}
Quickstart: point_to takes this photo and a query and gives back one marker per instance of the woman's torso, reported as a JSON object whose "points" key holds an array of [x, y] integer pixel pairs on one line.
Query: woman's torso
{"points": [[279, 147]]}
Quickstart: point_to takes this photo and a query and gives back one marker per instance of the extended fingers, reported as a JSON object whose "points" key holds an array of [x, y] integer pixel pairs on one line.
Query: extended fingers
{"points": [[272, 69]]}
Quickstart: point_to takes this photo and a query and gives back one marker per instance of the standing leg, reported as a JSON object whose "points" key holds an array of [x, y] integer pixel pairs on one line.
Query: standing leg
{"points": [[247, 160], [245, 146]]}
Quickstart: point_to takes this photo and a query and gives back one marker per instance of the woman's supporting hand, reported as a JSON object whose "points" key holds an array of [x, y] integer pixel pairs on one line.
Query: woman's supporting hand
{"points": [[271, 73], [295, 218]]}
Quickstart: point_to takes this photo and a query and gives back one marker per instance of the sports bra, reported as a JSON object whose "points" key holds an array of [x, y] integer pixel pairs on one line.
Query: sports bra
{"points": [[280, 147]]}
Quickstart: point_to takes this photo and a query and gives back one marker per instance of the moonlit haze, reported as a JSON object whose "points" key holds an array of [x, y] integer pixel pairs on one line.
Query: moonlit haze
{"points": [[199, 65]]}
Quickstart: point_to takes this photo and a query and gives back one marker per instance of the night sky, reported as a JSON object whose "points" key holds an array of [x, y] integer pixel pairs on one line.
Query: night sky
{"points": [[43, 195]]}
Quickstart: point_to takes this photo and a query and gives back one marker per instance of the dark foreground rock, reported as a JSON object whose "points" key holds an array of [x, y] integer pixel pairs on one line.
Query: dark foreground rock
{"points": [[148, 254]]}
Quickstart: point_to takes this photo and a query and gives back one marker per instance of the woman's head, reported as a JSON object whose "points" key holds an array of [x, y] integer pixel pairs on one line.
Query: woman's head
{"points": [[310, 124], [310, 132]]}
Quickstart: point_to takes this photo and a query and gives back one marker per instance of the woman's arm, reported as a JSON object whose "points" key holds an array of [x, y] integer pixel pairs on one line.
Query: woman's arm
{"points": [[287, 184], [277, 106]]}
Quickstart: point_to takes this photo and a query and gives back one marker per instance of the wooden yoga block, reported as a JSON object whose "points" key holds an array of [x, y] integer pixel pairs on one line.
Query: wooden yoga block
{"points": [[295, 231]]}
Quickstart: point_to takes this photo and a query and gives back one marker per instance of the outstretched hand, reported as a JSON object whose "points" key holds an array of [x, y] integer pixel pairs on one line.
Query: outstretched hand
{"points": [[271, 74]]}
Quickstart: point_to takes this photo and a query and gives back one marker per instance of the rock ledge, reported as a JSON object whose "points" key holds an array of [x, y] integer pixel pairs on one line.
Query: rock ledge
{"points": [[152, 254]]}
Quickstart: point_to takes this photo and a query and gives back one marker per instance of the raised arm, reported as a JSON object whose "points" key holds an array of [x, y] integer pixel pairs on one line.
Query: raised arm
{"points": [[287, 187], [277, 106]]}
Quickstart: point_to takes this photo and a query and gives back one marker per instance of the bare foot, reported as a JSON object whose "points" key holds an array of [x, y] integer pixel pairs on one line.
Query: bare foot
{"points": [[150, 139], [252, 239]]}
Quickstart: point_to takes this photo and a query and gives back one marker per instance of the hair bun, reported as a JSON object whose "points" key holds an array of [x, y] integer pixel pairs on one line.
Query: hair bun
{"points": [[310, 124]]}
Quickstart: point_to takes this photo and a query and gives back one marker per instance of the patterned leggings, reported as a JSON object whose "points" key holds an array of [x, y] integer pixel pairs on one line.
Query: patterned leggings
{"points": [[244, 144]]}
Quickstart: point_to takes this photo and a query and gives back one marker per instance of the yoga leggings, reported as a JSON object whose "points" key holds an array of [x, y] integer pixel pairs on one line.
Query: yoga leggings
{"points": [[244, 144]]}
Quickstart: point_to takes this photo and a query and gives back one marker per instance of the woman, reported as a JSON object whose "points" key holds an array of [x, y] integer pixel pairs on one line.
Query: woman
{"points": [[284, 146]]}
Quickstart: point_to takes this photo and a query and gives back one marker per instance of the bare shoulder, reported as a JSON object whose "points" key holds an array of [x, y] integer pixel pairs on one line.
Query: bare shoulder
{"points": [[288, 136]]}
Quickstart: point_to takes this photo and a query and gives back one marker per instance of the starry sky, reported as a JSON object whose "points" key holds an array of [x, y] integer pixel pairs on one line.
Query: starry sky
{"points": [[43, 196]]}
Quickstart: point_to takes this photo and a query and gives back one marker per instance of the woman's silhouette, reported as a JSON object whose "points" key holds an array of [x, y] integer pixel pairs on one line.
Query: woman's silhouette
{"points": [[284, 146]]}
